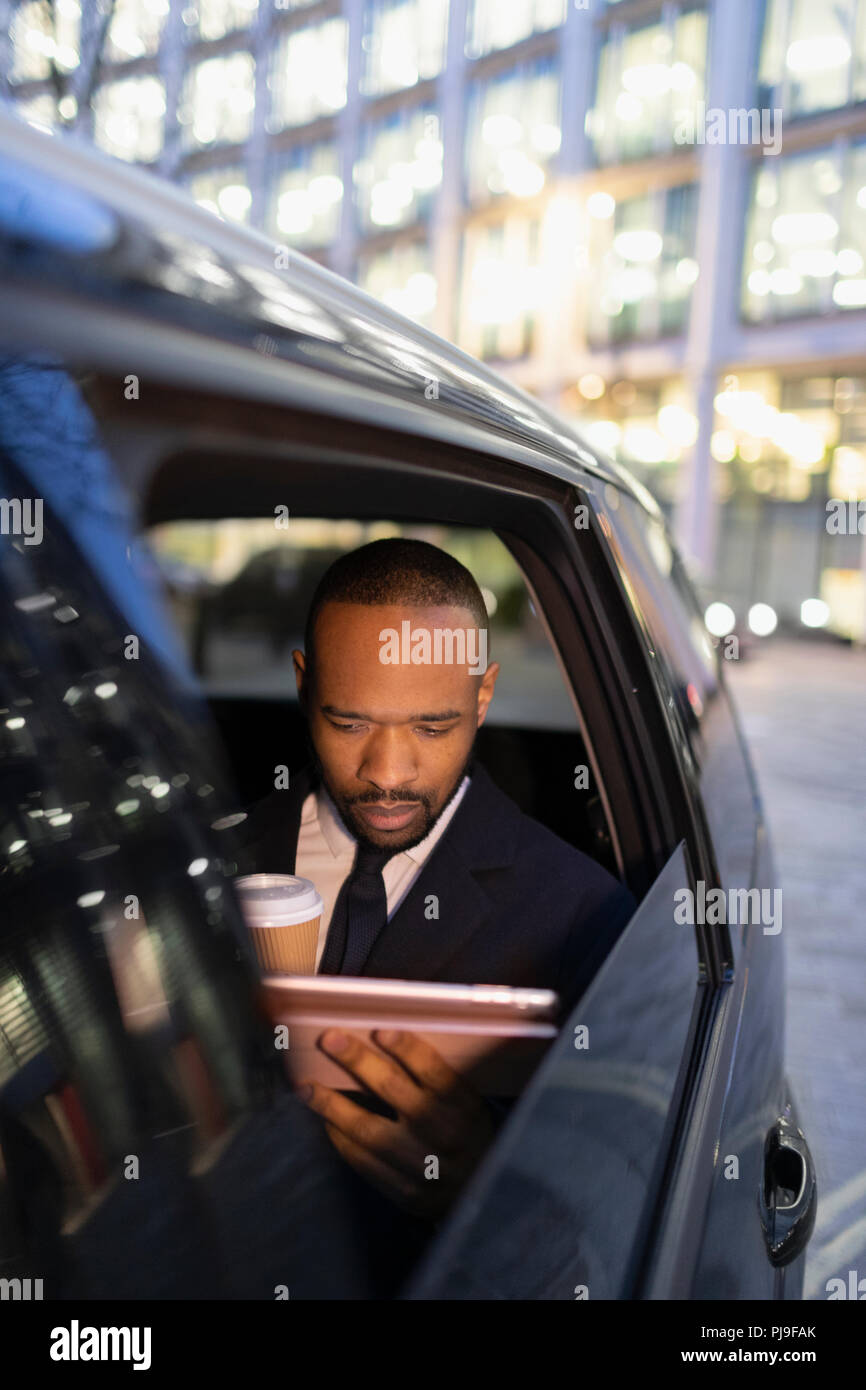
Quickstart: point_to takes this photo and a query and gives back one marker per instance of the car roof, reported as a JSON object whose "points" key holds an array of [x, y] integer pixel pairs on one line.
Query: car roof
{"points": [[97, 256]]}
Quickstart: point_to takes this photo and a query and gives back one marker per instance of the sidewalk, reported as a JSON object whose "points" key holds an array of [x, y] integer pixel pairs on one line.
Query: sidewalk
{"points": [[803, 708]]}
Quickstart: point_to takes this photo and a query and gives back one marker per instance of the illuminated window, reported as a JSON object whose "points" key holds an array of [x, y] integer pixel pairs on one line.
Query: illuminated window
{"points": [[493, 24], [307, 195], [41, 34], [213, 19], [223, 191], [813, 56], [500, 289], [400, 168], [513, 131], [650, 81], [404, 43], [128, 118], [40, 110], [806, 235], [643, 267], [402, 277], [135, 28], [309, 73], [218, 100]]}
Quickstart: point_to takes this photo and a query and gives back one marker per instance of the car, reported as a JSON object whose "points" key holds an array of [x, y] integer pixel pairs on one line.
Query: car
{"points": [[176, 385]]}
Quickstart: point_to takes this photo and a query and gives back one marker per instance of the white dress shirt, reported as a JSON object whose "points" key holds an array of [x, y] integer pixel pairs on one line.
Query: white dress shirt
{"points": [[326, 853]]}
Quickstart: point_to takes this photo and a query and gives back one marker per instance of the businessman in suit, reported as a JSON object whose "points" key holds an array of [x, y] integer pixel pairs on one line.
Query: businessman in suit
{"points": [[427, 870]]}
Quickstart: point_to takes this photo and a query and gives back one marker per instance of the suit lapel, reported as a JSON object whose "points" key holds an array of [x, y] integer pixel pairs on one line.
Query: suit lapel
{"points": [[271, 837]]}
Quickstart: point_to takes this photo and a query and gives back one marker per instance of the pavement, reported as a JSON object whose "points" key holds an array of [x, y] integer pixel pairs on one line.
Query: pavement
{"points": [[803, 709]]}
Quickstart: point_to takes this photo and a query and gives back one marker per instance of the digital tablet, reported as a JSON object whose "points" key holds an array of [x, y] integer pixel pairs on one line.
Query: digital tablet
{"points": [[494, 1035]]}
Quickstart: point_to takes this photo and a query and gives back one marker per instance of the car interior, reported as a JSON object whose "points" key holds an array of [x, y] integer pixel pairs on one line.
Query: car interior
{"points": [[239, 602]]}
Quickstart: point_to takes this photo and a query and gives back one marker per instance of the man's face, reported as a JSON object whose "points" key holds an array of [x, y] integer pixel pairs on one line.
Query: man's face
{"points": [[392, 740]]}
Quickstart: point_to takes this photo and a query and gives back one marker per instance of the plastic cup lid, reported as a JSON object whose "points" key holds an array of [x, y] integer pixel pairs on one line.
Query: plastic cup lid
{"points": [[277, 900]]}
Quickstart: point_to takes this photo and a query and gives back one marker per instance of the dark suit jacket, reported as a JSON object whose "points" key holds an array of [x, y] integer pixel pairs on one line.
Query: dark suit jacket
{"points": [[516, 905]]}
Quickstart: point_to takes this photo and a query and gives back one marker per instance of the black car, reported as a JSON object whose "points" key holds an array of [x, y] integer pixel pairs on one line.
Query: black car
{"points": [[168, 384]]}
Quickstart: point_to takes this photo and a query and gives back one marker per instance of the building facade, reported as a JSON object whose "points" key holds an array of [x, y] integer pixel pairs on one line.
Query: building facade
{"points": [[651, 213]]}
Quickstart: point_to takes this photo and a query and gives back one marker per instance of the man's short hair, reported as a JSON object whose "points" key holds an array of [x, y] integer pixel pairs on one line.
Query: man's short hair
{"points": [[396, 571]]}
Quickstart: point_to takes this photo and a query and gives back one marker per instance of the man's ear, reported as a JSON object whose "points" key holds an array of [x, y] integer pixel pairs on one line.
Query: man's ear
{"points": [[301, 678], [485, 690]]}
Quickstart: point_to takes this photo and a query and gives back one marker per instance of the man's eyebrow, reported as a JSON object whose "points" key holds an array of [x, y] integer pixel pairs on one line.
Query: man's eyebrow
{"points": [[410, 719]]}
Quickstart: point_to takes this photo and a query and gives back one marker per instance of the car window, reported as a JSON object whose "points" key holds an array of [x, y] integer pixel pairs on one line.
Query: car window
{"points": [[240, 589], [688, 664]]}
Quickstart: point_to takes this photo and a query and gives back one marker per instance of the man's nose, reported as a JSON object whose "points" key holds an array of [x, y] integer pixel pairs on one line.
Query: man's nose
{"points": [[389, 760]]}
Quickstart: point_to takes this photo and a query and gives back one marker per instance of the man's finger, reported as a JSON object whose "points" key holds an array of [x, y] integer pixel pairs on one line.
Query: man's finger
{"points": [[427, 1066], [388, 1078], [391, 1182], [381, 1137]]}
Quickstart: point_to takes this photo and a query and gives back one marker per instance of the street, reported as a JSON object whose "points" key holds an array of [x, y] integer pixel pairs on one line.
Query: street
{"points": [[803, 708]]}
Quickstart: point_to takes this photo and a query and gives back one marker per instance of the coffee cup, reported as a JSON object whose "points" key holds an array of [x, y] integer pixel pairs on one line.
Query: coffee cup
{"points": [[282, 913]]}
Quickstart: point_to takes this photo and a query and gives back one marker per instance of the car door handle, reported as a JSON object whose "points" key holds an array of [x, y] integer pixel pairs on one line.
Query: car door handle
{"points": [[789, 1193]]}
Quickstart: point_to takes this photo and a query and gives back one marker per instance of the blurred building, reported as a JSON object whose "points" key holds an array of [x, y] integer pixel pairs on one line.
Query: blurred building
{"points": [[650, 212]]}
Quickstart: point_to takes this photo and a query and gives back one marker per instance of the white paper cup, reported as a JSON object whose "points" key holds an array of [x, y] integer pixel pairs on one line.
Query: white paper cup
{"points": [[282, 913]]}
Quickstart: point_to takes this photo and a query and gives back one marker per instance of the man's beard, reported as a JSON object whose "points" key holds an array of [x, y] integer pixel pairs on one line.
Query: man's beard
{"points": [[429, 817]]}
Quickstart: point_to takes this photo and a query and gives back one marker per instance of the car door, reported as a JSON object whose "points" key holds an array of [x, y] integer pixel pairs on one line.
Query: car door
{"points": [[744, 1234], [559, 1210]]}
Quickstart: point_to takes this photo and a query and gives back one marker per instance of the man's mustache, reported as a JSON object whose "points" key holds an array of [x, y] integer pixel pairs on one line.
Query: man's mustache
{"points": [[378, 798]]}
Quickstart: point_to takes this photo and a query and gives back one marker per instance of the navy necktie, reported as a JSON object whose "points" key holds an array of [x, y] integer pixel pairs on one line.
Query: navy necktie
{"points": [[360, 913]]}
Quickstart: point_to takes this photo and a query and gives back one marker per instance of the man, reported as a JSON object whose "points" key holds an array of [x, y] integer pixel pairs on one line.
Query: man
{"points": [[426, 869]]}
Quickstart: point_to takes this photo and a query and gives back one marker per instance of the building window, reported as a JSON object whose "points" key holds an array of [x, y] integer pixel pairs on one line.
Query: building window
{"points": [[642, 254], [493, 24], [43, 35], [135, 28], [402, 277], [404, 43], [129, 117], [813, 56], [513, 132], [647, 425], [400, 168], [309, 74], [40, 110], [218, 101], [306, 194], [806, 236], [223, 191], [213, 19], [500, 288], [650, 82]]}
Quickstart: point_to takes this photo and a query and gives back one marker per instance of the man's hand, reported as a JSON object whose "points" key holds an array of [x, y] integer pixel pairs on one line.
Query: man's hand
{"points": [[438, 1116]]}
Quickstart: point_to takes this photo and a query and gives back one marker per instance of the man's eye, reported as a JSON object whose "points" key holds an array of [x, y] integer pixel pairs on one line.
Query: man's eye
{"points": [[433, 733], [347, 728]]}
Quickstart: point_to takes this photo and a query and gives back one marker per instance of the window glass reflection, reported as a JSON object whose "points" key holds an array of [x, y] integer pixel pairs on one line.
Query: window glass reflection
{"points": [[494, 25], [307, 195], [642, 254], [402, 277], [41, 34], [813, 57], [805, 248], [500, 288], [513, 131], [129, 118], [404, 43], [218, 101], [650, 81], [400, 168], [309, 73]]}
